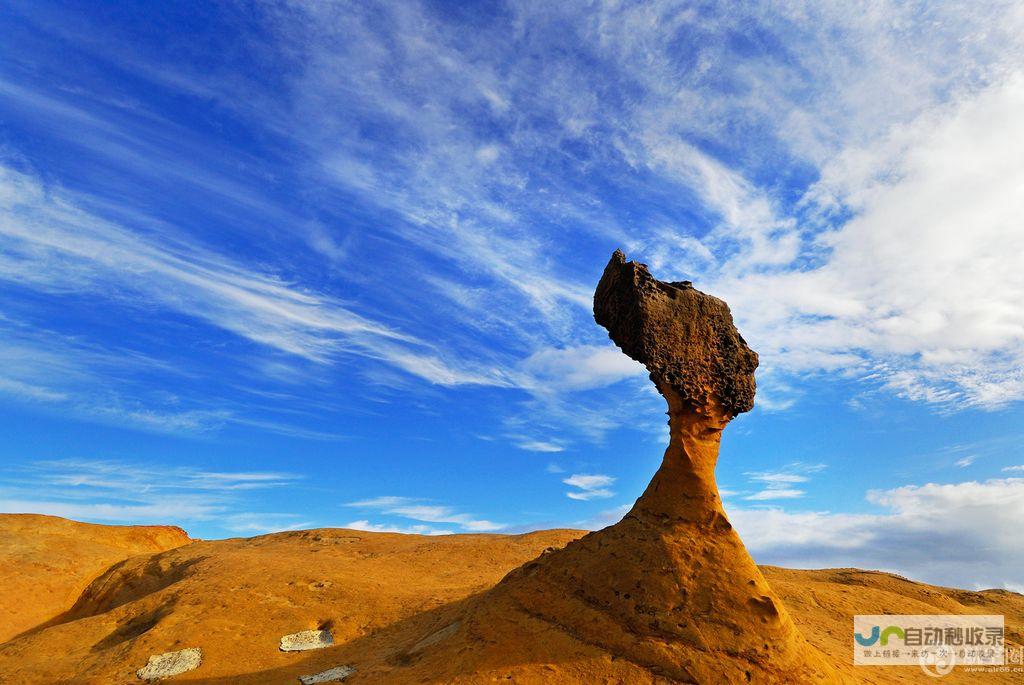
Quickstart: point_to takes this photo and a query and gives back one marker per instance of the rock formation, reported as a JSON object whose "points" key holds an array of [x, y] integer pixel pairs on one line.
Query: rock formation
{"points": [[668, 595], [671, 587], [170, 664]]}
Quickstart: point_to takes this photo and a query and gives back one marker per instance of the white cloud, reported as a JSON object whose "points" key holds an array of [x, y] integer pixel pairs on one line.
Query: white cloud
{"points": [[1011, 469], [380, 502], [496, 167], [416, 510], [147, 478], [488, 154], [262, 523], [966, 461], [41, 366], [961, 534], [589, 486], [899, 266], [101, 384], [779, 484], [776, 493], [129, 492], [588, 481], [927, 310], [364, 524], [163, 511], [539, 446], [585, 495], [51, 243], [582, 367]]}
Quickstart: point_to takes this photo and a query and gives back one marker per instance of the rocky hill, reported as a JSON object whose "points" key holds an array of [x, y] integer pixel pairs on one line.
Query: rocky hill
{"points": [[46, 562]]}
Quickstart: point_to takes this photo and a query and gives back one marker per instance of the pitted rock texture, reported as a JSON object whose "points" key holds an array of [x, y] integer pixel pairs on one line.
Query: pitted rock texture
{"points": [[684, 337]]}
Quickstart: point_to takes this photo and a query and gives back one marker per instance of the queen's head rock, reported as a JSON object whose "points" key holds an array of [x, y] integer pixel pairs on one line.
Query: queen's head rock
{"points": [[685, 338], [670, 588]]}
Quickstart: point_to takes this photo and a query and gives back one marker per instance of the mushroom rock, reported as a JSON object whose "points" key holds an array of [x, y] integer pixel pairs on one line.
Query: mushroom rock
{"points": [[670, 587]]}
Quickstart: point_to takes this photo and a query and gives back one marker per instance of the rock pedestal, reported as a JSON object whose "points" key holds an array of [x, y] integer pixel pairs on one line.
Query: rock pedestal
{"points": [[671, 587]]}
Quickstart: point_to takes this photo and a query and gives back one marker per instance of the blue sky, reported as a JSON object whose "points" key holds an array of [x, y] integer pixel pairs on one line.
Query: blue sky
{"points": [[294, 264]]}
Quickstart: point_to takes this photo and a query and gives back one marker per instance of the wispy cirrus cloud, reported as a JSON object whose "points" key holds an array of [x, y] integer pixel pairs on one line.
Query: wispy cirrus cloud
{"points": [[420, 510], [412, 529], [123, 491], [142, 478], [501, 183], [539, 446], [250, 523], [588, 486], [53, 244], [794, 270], [113, 385], [782, 484]]}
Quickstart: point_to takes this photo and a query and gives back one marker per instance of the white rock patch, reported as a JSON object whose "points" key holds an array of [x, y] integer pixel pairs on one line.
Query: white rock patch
{"points": [[307, 639], [171, 664], [331, 674]]}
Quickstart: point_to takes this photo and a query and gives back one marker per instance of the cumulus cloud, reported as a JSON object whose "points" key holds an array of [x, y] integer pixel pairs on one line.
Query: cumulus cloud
{"points": [[927, 310], [960, 534]]}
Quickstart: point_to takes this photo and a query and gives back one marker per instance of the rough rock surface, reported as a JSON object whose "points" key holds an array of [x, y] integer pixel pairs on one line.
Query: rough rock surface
{"points": [[306, 640], [684, 337], [671, 587], [46, 562], [169, 664], [388, 593]]}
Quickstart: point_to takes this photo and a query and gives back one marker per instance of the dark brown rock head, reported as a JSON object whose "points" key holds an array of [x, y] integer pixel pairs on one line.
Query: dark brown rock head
{"points": [[684, 337]]}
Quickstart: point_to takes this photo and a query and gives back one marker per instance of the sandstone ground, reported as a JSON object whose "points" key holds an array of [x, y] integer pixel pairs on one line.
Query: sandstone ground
{"points": [[387, 599]]}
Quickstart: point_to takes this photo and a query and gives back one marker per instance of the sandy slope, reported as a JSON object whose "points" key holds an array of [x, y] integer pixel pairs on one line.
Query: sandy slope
{"points": [[381, 595], [46, 562]]}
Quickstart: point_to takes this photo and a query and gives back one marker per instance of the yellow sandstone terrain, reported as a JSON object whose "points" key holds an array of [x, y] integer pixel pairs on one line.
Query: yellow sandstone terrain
{"points": [[381, 595], [46, 562]]}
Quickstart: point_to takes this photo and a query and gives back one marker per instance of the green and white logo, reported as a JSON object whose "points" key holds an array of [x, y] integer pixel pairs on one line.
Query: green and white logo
{"points": [[937, 643]]}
